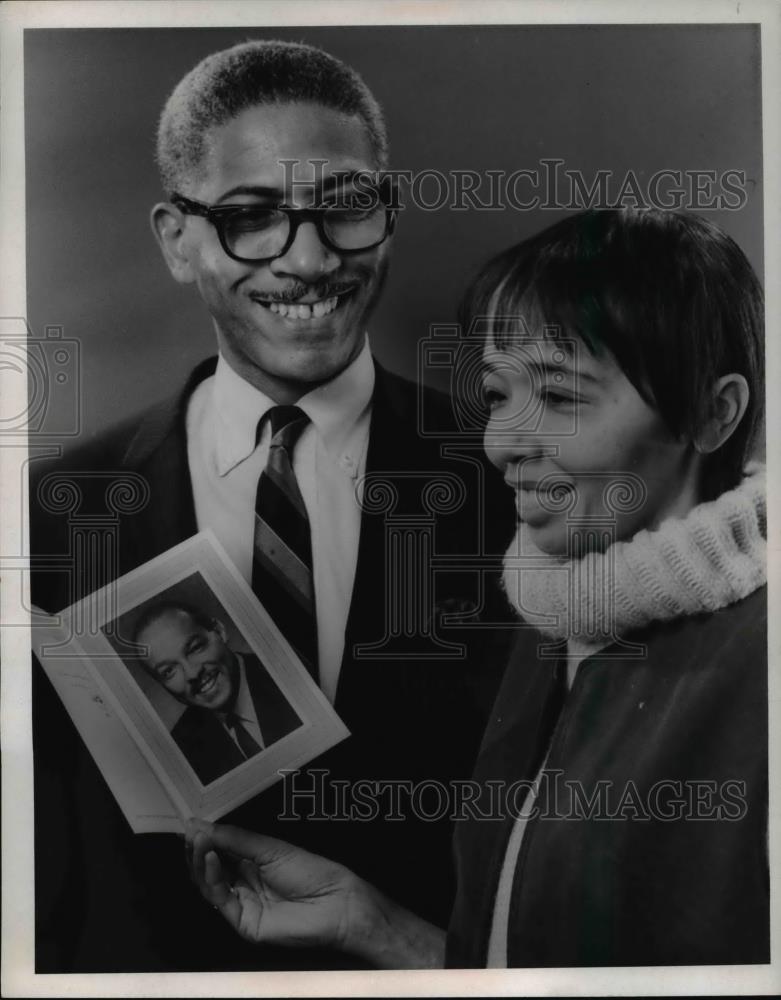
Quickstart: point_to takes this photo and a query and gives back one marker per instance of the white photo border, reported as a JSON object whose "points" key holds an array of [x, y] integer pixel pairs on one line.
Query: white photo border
{"points": [[18, 976], [202, 554]]}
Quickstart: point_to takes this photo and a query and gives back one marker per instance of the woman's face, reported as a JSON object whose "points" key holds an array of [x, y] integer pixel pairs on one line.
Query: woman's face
{"points": [[590, 461]]}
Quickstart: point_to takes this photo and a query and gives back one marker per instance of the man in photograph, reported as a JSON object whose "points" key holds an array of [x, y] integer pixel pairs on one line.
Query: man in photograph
{"points": [[273, 445], [233, 709]]}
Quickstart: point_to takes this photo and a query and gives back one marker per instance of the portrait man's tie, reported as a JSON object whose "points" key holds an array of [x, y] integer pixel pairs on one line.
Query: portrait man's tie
{"points": [[247, 743], [282, 560]]}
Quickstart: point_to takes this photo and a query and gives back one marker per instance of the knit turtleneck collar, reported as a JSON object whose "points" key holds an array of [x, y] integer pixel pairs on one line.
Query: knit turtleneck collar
{"points": [[708, 560]]}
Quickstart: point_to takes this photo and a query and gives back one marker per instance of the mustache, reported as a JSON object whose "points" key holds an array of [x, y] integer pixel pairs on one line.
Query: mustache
{"points": [[321, 289], [204, 675]]}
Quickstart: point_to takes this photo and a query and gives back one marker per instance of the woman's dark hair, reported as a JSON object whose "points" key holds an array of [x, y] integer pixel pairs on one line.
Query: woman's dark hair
{"points": [[668, 294]]}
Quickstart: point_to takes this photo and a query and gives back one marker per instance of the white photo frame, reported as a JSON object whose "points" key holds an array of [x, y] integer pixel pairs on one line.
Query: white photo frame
{"points": [[85, 650]]}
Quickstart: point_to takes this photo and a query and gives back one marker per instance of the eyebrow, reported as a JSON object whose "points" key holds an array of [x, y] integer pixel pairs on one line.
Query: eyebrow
{"points": [[338, 179], [256, 190], [547, 368]]}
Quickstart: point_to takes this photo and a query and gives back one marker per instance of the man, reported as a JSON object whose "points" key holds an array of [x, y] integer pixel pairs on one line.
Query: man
{"points": [[270, 446], [234, 710]]}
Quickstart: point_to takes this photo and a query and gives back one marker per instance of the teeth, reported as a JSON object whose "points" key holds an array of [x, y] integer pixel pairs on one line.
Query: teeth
{"points": [[207, 684], [304, 310]]}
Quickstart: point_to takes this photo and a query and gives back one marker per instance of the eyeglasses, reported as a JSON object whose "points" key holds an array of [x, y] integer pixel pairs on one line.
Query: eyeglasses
{"points": [[253, 234]]}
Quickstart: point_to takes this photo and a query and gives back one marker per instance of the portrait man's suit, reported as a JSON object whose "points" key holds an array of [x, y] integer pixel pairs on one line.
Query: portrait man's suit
{"points": [[206, 743], [111, 901]]}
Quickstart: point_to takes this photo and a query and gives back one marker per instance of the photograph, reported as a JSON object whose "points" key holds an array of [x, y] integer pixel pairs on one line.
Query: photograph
{"points": [[397, 477], [212, 693], [180, 657]]}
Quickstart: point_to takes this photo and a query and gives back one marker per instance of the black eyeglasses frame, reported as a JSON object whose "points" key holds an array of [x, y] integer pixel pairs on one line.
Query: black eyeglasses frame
{"points": [[218, 215]]}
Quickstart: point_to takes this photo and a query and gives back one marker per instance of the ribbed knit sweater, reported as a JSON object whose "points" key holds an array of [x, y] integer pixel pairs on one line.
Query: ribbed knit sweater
{"points": [[708, 560]]}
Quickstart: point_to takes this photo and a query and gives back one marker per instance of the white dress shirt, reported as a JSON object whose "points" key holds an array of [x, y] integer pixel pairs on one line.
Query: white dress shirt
{"points": [[328, 460]]}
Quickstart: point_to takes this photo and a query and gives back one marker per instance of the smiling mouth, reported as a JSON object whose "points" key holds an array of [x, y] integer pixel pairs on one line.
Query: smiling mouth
{"points": [[305, 310], [207, 684]]}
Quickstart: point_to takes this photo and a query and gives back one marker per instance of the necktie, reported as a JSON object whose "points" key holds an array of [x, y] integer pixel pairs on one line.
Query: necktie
{"points": [[248, 746], [282, 560]]}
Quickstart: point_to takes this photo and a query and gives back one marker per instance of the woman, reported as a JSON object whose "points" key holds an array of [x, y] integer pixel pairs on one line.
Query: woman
{"points": [[623, 774]]}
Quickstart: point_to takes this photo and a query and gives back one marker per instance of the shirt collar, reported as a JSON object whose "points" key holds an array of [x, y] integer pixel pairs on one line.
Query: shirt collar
{"points": [[334, 408], [238, 407]]}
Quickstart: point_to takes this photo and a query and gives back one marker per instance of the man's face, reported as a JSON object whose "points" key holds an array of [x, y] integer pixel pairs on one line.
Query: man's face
{"points": [[289, 354], [568, 426], [193, 663]]}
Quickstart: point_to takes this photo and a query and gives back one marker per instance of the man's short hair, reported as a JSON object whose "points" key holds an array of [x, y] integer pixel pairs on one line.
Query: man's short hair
{"points": [[253, 73], [669, 294], [159, 609]]}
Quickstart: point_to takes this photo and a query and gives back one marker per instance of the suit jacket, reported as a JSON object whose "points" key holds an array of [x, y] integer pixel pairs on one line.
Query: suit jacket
{"points": [[208, 746], [107, 900]]}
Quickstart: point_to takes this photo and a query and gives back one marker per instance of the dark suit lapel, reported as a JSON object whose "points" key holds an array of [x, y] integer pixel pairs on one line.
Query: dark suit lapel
{"points": [[276, 717], [393, 446], [205, 743], [158, 452], [387, 426]]}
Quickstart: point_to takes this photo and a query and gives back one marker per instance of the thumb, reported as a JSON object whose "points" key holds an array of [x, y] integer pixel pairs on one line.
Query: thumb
{"points": [[242, 843]]}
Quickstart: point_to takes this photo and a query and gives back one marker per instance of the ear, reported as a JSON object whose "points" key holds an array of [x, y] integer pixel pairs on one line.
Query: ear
{"points": [[728, 404], [168, 226]]}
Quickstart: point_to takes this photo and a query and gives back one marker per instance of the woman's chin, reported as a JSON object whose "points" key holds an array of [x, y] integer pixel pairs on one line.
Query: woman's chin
{"points": [[547, 537]]}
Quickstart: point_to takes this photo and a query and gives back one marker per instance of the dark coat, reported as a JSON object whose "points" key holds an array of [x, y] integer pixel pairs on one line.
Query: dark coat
{"points": [[674, 873], [108, 900], [206, 744]]}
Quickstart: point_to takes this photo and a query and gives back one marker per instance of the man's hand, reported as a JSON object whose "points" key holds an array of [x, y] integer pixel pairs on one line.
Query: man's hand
{"points": [[271, 892]]}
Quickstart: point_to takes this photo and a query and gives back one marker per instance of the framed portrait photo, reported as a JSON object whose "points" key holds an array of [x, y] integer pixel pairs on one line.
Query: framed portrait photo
{"points": [[186, 693]]}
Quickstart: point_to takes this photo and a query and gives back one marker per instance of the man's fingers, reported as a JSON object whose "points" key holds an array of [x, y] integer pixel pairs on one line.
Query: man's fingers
{"points": [[220, 893], [251, 876], [194, 826], [198, 849], [209, 877], [253, 846], [188, 854], [242, 843]]}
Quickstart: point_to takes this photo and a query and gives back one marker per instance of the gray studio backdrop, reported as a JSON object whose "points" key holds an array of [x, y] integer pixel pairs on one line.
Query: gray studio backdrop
{"points": [[620, 98]]}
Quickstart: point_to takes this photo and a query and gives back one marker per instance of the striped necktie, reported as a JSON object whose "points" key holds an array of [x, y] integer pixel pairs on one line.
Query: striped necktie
{"points": [[282, 560], [247, 743]]}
